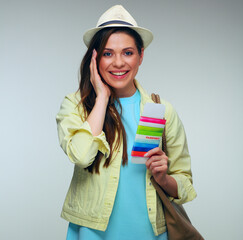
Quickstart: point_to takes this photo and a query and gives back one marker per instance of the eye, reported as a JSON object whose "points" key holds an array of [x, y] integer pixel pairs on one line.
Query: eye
{"points": [[128, 53], [106, 54]]}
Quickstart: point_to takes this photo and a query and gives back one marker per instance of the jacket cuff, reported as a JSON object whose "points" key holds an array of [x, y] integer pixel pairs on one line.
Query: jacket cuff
{"points": [[98, 141], [186, 191]]}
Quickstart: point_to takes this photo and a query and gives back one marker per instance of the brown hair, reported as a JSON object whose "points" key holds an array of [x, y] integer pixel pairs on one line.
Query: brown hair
{"points": [[112, 123]]}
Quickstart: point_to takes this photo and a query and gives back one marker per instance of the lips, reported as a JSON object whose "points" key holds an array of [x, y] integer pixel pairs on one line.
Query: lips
{"points": [[121, 73]]}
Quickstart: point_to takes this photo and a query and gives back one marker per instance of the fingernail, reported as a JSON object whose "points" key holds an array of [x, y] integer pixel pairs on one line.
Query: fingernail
{"points": [[145, 155]]}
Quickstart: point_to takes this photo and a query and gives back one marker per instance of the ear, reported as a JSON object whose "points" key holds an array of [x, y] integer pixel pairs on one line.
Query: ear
{"points": [[141, 56]]}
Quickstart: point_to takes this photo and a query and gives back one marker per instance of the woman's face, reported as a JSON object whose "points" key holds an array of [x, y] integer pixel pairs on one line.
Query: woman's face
{"points": [[119, 63]]}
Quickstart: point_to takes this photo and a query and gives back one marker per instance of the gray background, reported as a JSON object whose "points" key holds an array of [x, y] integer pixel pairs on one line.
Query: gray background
{"points": [[195, 62]]}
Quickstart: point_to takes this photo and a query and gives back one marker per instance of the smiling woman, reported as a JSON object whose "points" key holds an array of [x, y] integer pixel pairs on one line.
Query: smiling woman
{"points": [[109, 196], [119, 63]]}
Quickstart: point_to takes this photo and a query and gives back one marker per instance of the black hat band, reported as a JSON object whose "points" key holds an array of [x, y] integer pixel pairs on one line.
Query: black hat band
{"points": [[115, 22]]}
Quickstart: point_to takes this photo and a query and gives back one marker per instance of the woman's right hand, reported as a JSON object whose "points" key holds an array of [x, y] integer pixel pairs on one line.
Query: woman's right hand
{"points": [[97, 115], [101, 89]]}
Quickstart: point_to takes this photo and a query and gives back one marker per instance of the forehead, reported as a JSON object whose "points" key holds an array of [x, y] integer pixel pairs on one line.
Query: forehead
{"points": [[120, 40]]}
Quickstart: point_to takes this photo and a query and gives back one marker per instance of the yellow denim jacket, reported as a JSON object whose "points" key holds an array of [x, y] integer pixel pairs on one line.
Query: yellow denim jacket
{"points": [[90, 197]]}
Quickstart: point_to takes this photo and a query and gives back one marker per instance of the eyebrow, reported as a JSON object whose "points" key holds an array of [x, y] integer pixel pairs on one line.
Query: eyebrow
{"points": [[110, 49]]}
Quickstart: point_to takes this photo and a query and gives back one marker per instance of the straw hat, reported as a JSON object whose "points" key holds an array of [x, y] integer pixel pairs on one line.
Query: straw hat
{"points": [[118, 16]]}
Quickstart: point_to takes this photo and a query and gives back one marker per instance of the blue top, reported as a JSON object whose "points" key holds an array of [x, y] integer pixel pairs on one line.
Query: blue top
{"points": [[129, 218]]}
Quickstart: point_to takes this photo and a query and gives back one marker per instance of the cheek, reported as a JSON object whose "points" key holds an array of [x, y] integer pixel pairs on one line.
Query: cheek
{"points": [[135, 63], [103, 65]]}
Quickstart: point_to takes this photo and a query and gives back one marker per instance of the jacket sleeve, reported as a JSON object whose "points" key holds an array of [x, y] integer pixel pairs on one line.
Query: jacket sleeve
{"points": [[75, 136], [178, 154]]}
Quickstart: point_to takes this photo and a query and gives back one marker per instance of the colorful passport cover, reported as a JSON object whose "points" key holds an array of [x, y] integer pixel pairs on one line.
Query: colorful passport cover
{"points": [[149, 132]]}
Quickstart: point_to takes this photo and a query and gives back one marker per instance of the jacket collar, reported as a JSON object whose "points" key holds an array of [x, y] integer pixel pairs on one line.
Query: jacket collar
{"points": [[144, 95]]}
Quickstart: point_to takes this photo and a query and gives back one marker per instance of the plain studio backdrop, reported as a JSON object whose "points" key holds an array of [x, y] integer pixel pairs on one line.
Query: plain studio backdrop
{"points": [[195, 62]]}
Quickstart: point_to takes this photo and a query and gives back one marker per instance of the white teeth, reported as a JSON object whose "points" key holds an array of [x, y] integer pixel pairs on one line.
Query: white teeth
{"points": [[118, 73]]}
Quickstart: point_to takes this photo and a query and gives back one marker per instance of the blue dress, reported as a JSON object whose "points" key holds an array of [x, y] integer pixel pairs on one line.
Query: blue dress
{"points": [[129, 218]]}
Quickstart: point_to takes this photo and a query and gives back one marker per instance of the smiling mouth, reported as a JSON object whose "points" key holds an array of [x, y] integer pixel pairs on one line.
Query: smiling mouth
{"points": [[119, 73]]}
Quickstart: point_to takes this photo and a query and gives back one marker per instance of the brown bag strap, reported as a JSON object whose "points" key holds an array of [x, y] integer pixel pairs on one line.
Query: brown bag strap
{"points": [[156, 99]]}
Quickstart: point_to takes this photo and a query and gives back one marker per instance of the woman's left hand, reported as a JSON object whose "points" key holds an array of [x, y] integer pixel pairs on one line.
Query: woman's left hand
{"points": [[157, 164]]}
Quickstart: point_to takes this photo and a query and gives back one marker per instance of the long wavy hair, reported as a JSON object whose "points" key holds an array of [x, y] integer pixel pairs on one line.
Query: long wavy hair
{"points": [[112, 123]]}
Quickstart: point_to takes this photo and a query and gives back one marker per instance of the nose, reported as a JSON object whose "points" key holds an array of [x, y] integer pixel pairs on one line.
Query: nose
{"points": [[118, 61]]}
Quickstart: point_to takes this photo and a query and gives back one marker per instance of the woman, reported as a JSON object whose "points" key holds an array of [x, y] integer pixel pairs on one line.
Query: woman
{"points": [[110, 197]]}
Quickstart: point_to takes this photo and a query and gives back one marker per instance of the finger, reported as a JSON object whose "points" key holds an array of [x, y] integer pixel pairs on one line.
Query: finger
{"points": [[157, 158], [156, 161], [154, 151], [91, 67], [94, 75], [153, 159], [161, 170], [94, 56]]}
